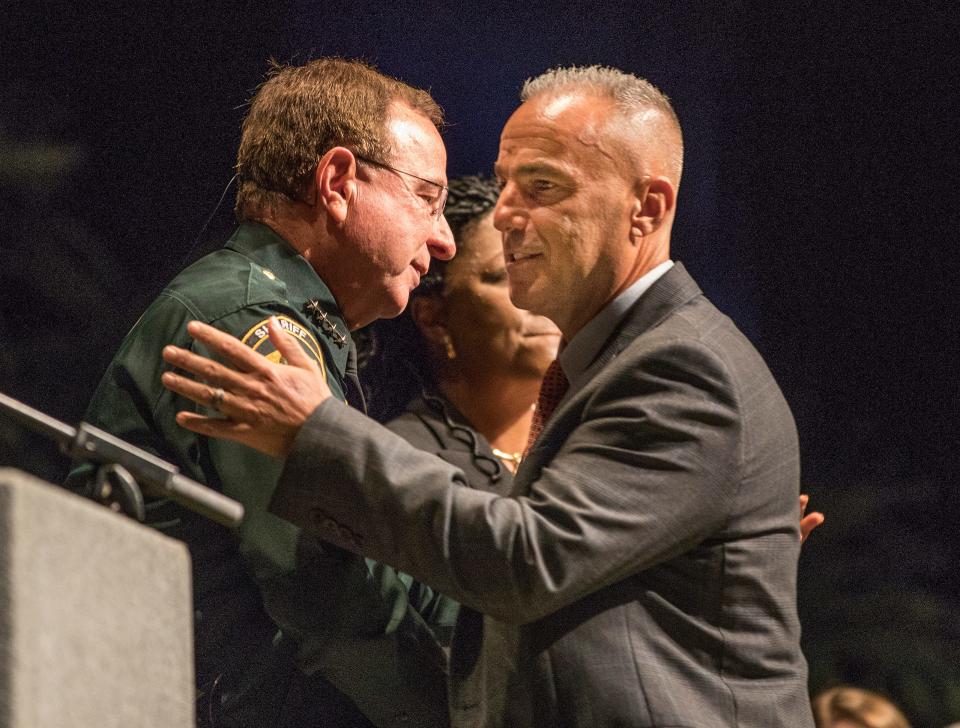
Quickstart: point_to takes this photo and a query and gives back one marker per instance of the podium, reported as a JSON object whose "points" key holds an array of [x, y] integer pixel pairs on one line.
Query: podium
{"points": [[96, 624]]}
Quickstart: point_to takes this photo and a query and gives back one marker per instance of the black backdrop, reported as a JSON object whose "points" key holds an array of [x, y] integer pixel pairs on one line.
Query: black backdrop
{"points": [[818, 208]]}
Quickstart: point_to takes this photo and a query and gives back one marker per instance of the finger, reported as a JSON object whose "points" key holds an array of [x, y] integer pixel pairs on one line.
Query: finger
{"points": [[227, 346], [809, 523], [288, 346], [231, 430], [804, 500], [202, 393], [208, 370], [213, 426]]}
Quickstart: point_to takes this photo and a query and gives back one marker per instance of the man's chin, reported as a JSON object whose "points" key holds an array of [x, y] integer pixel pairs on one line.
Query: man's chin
{"points": [[394, 306], [387, 310], [522, 297]]}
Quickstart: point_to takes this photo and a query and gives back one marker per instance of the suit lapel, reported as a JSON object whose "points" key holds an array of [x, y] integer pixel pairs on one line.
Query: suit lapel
{"points": [[668, 293]]}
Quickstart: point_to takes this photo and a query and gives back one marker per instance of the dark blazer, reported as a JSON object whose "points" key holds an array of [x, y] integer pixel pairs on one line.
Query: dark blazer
{"points": [[643, 571], [433, 424]]}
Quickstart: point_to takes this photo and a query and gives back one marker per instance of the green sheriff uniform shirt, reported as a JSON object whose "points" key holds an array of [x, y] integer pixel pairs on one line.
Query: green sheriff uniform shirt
{"points": [[266, 595]]}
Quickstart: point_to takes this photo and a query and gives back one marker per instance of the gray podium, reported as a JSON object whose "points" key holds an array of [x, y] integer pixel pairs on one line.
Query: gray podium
{"points": [[96, 623]]}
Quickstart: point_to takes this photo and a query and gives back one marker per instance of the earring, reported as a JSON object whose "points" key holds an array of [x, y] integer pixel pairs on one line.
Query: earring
{"points": [[448, 346]]}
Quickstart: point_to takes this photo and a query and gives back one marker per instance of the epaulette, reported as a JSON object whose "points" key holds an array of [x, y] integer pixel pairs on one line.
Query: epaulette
{"points": [[264, 285]]}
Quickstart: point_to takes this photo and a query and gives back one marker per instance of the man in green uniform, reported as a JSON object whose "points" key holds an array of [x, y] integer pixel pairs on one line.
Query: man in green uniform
{"points": [[341, 191]]}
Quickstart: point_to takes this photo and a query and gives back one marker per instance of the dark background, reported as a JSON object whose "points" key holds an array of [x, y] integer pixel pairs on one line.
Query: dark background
{"points": [[818, 208]]}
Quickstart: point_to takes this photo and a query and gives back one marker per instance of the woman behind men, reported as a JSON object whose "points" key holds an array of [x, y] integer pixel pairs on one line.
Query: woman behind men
{"points": [[458, 373]]}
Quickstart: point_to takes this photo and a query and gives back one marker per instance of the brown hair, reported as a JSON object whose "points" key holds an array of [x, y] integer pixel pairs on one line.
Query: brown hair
{"points": [[861, 707], [300, 112]]}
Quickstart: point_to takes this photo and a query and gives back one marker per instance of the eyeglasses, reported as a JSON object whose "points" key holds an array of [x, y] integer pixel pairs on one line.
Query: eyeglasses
{"points": [[437, 204]]}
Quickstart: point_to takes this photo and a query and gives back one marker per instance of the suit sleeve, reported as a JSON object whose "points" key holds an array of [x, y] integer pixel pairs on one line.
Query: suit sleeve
{"points": [[647, 471]]}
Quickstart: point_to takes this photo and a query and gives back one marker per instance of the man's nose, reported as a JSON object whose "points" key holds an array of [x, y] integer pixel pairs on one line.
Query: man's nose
{"points": [[441, 244], [507, 215]]}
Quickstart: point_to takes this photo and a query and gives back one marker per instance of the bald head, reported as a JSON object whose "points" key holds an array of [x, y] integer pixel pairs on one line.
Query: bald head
{"points": [[642, 121]]}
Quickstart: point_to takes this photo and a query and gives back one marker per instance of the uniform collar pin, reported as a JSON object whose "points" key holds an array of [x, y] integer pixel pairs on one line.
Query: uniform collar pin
{"points": [[315, 311]]}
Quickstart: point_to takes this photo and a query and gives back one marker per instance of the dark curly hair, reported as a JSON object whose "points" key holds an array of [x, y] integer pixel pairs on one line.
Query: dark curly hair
{"points": [[392, 354]]}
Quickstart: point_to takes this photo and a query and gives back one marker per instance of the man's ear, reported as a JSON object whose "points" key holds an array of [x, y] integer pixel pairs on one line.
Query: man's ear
{"points": [[427, 313], [335, 183], [652, 207]]}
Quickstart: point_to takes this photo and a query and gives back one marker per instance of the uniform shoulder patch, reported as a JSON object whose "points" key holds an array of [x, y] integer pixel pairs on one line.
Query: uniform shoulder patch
{"points": [[258, 339]]}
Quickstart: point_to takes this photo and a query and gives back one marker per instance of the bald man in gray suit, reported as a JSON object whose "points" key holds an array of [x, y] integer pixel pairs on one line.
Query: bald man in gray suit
{"points": [[643, 570]]}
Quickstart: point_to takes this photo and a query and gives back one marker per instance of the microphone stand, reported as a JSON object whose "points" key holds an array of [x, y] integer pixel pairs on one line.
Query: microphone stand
{"points": [[125, 471]]}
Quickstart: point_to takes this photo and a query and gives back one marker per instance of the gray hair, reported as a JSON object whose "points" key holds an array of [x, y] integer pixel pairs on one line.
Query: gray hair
{"points": [[634, 98]]}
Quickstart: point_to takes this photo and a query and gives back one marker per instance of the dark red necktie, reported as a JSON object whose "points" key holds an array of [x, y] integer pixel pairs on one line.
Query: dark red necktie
{"points": [[552, 389]]}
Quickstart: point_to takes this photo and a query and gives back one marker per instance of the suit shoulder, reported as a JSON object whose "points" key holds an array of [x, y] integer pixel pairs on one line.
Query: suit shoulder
{"points": [[689, 334], [698, 332], [687, 352], [701, 345], [697, 319]]}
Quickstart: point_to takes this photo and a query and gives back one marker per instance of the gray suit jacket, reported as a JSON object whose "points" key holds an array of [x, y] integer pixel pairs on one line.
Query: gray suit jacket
{"points": [[643, 571]]}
